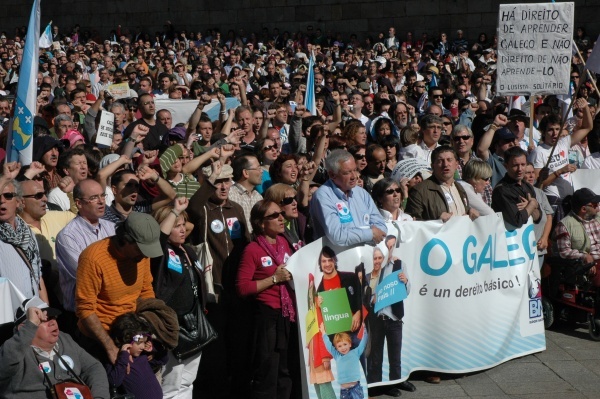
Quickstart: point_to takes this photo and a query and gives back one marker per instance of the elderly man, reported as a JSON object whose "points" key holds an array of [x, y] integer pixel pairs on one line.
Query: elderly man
{"points": [[21, 262], [462, 141], [439, 197], [341, 211], [112, 275], [46, 150], [80, 233], [34, 358]]}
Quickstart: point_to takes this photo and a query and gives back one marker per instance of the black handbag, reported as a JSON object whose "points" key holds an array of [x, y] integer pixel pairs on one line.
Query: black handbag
{"points": [[195, 332]]}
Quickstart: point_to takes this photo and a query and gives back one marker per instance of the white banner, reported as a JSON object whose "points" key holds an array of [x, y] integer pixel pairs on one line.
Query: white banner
{"points": [[473, 301], [534, 48], [586, 178], [106, 129]]}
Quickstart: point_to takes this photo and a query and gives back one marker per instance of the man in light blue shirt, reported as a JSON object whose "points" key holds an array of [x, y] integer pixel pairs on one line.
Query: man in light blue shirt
{"points": [[85, 229], [341, 211]]}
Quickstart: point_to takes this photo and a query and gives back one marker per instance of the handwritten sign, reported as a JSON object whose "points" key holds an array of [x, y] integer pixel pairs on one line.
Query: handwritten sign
{"points": [[535, 44], [390, 291], [106, 128]]}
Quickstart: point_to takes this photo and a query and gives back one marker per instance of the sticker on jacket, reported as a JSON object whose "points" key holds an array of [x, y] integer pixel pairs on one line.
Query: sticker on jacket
{"points": [[343, 212], [266, 261], [235, 228], [174, 263]]}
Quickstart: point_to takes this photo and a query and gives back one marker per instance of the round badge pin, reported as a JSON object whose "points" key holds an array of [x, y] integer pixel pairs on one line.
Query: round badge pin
{"points": [[217, 226]]}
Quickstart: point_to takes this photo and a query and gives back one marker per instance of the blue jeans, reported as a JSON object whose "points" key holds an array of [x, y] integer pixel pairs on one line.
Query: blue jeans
{"points": [[356, 392]]}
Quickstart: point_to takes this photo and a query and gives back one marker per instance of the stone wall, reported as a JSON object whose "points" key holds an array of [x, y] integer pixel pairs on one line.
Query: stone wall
{"points": [[362, 17]]}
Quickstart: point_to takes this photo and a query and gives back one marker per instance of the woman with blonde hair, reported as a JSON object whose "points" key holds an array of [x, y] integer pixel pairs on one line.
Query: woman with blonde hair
{"points": [[476, 174], [295, 227]]}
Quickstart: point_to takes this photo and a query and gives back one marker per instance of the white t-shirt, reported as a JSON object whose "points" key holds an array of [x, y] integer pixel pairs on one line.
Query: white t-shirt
{"points": [[563, 185]]}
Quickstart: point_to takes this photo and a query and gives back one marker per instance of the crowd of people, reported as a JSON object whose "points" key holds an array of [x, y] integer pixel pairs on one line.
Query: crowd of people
{"points": [[120, 243]]}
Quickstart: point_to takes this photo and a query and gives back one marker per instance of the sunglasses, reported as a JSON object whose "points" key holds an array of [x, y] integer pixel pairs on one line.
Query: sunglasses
{"points": [[437, 96], [8, 196], [37, 196], [359, 157], [420, 87], [270, 147], [391, 191], [486, 178], [459, 138], [274, 216], [287, 200]]}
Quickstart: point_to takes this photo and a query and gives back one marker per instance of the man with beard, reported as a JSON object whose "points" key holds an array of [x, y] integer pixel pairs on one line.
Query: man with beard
{"points": [[402, 115], [81, 232], [112, 275]]}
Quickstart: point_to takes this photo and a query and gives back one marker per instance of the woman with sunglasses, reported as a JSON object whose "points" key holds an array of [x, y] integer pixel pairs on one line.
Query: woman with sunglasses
{"points": [[262, 276], [295, 219], [390, 196], [179, 281], [476, 176], [359, 153], [391, 145]]}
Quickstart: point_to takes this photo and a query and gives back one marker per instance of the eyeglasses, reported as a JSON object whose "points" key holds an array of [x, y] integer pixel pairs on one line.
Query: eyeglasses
{"points": [[344, 100], [359, 157], [447, 123], [391, 191], [486, 178], [274, 216], [8, 196], [459, 138], [574, 76], [420, 86], [37, 196], [389, 146], [270, 147], [437, 96], [95, 198], [287, 200]]}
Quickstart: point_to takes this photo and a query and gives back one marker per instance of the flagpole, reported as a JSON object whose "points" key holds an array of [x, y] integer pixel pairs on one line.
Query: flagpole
{"points": [[585, 67]]}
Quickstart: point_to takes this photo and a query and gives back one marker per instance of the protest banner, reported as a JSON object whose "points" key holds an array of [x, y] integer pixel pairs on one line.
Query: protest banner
{"points": [[336, 311], [119, 90], [534, 48], [586, 178], [470, 304], [106, 128]]}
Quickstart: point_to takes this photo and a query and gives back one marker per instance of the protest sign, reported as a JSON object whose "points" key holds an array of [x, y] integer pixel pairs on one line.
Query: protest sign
{"points": [[535, 44], [106, 128], [468, 305], [119, 90], [586, 178]]}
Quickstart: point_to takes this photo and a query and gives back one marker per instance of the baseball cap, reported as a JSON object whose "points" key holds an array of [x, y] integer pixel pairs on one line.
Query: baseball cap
{"points": [[146, 233], [582, 197], [35, 302]]}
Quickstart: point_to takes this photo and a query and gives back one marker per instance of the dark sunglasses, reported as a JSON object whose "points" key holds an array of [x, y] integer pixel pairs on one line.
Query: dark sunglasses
{"points": [[486, 178], [287, 200], [390, 191], [274, 216], [270, 147], [459, 138], [437, 96], [37, 196], [8, 196], [359, 157]]}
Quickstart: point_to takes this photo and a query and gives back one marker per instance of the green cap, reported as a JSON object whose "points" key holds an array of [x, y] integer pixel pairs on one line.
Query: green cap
{"points": [[146, 233]]}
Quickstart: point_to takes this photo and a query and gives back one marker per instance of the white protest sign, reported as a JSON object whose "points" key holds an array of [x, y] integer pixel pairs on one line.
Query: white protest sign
{"points": [[586, 178], [534, 48], [106, 129]]}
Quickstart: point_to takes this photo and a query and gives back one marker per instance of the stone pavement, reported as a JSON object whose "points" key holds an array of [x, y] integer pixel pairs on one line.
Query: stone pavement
{"points": [[568, 369]]}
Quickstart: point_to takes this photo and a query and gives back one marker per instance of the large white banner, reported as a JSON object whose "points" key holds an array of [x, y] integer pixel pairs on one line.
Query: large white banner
{"points": [[473, 301], [534, 48], [586, 178]]}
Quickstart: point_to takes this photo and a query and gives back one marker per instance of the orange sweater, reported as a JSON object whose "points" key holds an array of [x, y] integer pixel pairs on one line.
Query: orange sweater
{"points": [[107, 286]]}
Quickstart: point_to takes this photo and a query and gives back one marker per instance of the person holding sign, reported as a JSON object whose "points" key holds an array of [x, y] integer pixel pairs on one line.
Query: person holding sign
{"points": [[263, 276], [559, 182], [389, 288]]}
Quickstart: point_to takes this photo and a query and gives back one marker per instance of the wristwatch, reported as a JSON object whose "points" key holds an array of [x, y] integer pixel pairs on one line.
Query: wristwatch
{"points": [[274, 279]]}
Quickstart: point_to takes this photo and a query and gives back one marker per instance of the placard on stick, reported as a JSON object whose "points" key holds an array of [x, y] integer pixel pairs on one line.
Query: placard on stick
{"points": [[535, 44]]}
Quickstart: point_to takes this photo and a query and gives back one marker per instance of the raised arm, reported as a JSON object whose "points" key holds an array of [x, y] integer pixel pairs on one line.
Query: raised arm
{"points": [[483, 147]]}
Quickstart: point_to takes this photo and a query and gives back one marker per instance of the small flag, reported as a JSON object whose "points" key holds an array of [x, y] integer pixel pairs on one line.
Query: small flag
{"points": [[46, 38], [309, 100], [20, 140]]}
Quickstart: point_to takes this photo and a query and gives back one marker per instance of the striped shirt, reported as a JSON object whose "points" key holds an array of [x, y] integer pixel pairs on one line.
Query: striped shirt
{"points": [[109, 287], [186, 185], [245, 199], [70, 242]]}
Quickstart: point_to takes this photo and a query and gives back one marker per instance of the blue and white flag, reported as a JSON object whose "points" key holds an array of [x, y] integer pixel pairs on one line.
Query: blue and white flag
{"points": [[309, 100], [20, 143], [46, 38]]}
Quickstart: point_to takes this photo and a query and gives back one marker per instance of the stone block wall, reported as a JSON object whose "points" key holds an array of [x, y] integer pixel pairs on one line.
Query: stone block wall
{"points": [[363, 17]]}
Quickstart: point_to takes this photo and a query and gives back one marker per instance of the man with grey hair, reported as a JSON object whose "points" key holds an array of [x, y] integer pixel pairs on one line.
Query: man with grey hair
{"points": [[62, 124], [341, 211], [429, 135]]}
